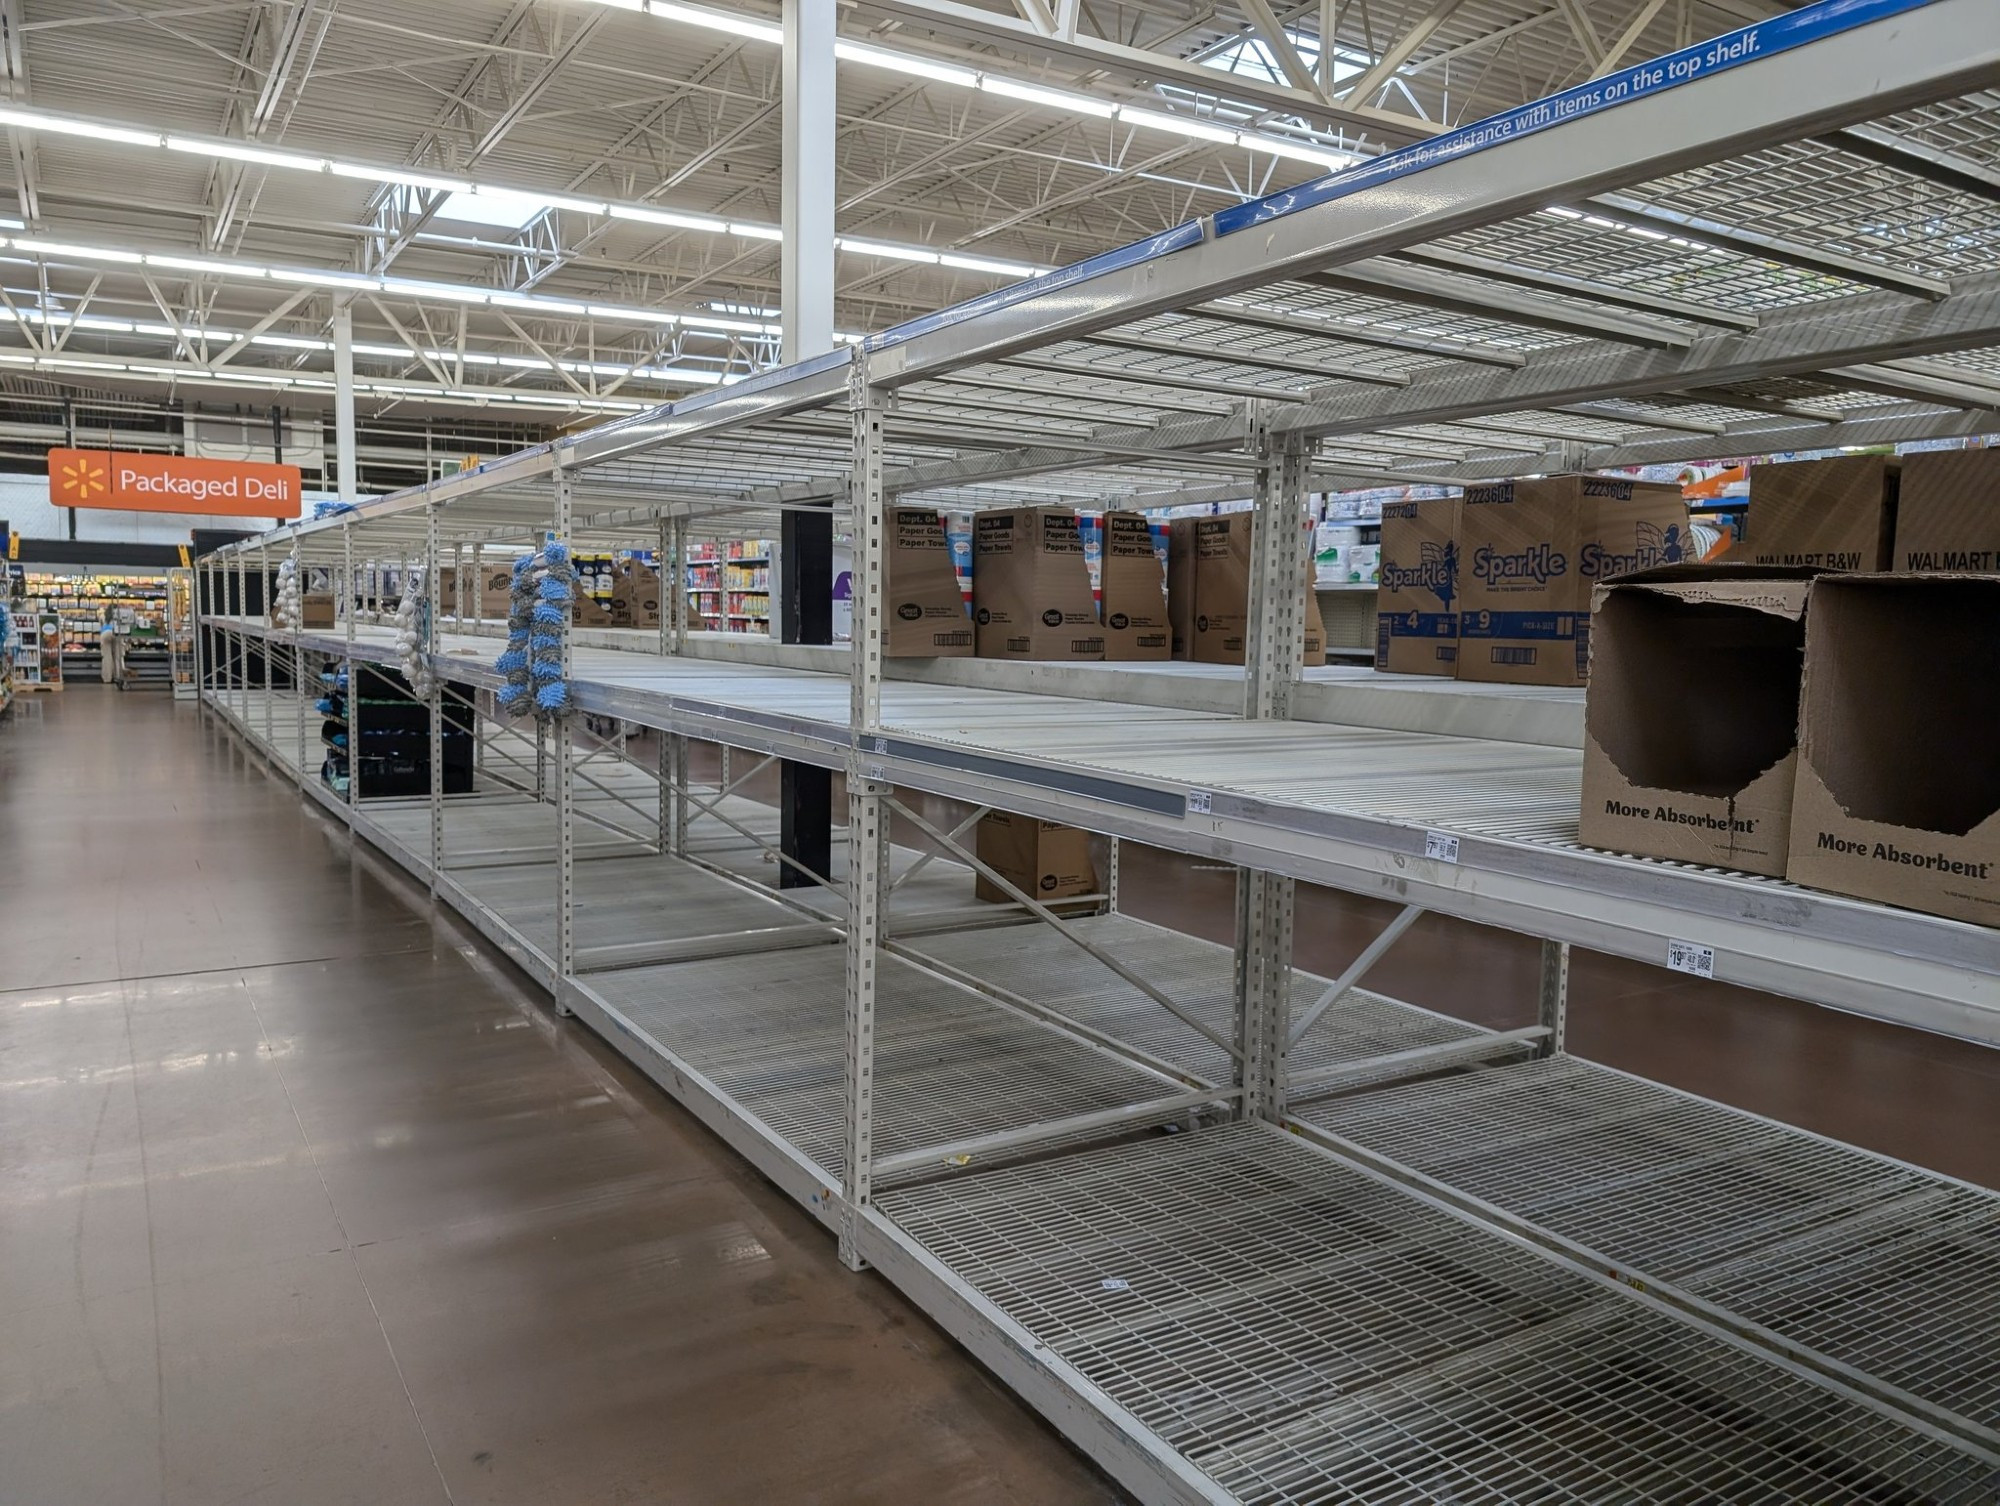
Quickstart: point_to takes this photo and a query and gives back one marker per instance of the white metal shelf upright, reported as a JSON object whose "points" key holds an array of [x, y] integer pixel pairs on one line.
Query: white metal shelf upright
{"points": [[1302, 1302]]}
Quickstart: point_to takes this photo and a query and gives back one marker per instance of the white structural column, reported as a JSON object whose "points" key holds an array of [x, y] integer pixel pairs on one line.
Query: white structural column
{"points": [[1265, 901], [564, 738], [351, 698], [302, 697], [867, 815], [806, 262], [343, 400], [434, 712]]}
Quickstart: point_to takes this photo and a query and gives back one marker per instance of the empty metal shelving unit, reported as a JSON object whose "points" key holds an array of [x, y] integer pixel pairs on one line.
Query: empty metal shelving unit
{"points": [[1241, 1232]]}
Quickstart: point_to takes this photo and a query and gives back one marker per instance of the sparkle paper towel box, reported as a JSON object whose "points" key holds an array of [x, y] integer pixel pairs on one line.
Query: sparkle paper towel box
{"points": [[1531, 552], [1690, 734], [1031, 596], [1899, 790], [1417, 591]]}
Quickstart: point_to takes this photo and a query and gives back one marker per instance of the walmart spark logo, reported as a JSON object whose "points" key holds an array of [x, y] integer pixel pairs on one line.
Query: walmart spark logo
{"points": [[84, 478]]}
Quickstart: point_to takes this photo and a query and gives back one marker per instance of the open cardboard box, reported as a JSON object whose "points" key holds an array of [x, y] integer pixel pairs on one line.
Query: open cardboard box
{"points": [[1898, 788], [1691, 721]]}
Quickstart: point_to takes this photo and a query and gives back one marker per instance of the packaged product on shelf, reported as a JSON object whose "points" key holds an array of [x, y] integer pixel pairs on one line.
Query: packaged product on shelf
{"points": [[1031, 596], [924, 612], [1134, 591], [1040, 858], [635, 594], [1898, 794], [1948, 512], [1690, 738], [316, 610], [1208, 591], [1416, 596], [1835, 514], [1531, 552]]}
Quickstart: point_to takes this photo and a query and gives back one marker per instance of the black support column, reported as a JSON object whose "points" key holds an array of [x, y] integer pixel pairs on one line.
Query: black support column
{"points": [[805, 615]]}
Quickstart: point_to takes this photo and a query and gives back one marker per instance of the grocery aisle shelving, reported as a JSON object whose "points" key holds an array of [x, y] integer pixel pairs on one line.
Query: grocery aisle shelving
{"points": [[1261, 1305]]}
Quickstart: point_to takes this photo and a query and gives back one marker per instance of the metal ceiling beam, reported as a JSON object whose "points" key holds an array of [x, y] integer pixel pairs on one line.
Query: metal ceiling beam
{"points": [[1099, 54], [1586, 289], [1819, 259], [1271, 32], [21, 144], [1420, 31], [1403, 283], [1915, 384], [1906, 154], [1942, 49]]}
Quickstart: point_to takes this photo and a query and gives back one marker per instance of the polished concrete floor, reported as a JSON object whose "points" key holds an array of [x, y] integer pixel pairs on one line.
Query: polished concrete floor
{"points": [[303, 1199]]}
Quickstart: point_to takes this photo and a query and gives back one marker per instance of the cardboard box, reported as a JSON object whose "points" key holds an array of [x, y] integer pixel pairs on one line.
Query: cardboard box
{"points": [[1416, 600], [1208, 591], [1948, 511], [1898, 794], [1530, 554], [1031, 595], [316, 611], [1040, 858], [1690, 730], [1835, 514], [924, 611], [1133, 590], [635, 594]]}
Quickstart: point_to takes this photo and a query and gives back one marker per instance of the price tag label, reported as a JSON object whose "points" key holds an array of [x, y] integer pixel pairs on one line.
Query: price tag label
{"points": [[1440, 847], [1199, 802], [874, 771], [1686, 957], [881, 745]]}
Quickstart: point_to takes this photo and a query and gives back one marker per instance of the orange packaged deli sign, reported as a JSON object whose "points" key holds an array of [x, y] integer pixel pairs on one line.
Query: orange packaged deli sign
{"points": [[172, 483]]}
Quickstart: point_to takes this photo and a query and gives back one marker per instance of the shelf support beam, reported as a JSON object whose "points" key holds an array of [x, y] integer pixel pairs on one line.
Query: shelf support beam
{"points": [[564, 738], [435, 709], [1554, 1011]]}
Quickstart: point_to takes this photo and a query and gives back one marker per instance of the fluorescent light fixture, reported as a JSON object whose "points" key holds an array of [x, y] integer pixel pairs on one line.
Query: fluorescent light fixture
{"points": [[1297, 151], [313, 277], [903, 62], [679, 374], [401, 175], [8, 222], [206, 264], [63, 248], [34, 120], [538, 304], [882, 248], [728, 326], [1035, 94], [238, 152], [755, 232], [988, 264], [633, 316], [1180, 125], [748, 310], [564, 201], [736, 26], [291, 342], [411, 287], [668, 218]]}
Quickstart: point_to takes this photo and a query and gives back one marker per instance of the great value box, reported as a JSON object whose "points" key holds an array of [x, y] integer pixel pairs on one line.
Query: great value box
{"points": [[1133, 592], [1040, 858], [1833, 514], [1898, 795], [1691, 721], [923, 611], [1948, 512], [1208, 591], [1031, 596], [1530, 554], [1416, 599]]}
